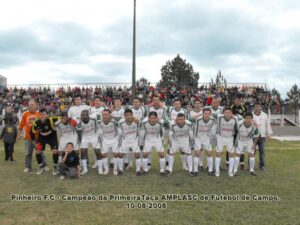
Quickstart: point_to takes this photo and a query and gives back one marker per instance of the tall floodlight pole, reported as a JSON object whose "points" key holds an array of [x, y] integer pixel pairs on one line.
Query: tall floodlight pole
{"points": [[134, 50]]}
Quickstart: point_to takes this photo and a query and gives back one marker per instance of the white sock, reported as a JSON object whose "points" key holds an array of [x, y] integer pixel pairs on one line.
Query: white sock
{"points": [[217, 163], [196, 162], [210, 163], [84, 164], [189, 160], [171, 162], [252, 163], [115, 163], [231, 164], [236, 163], [126, 158], [99, 163], [167, 157], [138, 163], [162, 163], [183, 160], [201, 158], [105, 163], [120, 163], [145, 164]]}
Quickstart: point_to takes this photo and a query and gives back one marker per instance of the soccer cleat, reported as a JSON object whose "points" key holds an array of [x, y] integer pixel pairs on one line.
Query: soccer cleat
{"points": [[252, 173], [185, 168], [230, 174], [46, 168], [120, 172], [95, 165], [210, 173], [125, 165], [26, 170], [196, 174], [115, 172], [191, 174], [168, 172], [84, 172], [55, 171], [217, 174], [242, 166], [128, 167], [62, 177], [105, 172], [138, 173], [262, 168], [235, 173], [40, 171], [145, 173], [149, 166], [201, 168], [100, 171], [163, 174]]}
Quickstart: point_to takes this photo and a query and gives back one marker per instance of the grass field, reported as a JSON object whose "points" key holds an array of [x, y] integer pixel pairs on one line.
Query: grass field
{"points": [[281, 178]]}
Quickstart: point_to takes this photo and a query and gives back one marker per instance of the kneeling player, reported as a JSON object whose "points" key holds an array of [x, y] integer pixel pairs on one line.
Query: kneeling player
{"points": [[129, 135], [44, 133], [226, 128], [246, 142], [202, 132], [152, 134], [69, 165], [88, 128], [181, 139]]}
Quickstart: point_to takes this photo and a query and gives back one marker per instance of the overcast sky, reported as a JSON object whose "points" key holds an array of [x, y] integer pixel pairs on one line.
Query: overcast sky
{"points": [[43, 41]]}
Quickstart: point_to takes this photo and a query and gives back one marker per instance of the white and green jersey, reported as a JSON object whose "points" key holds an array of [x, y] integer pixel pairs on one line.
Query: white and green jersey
{"points": [[129, 131], [108, 131], [184, 133], [97, 112], [247, 133], [203, 128], [161, 112], [88, 129], [227, 128], [195, 114], [172, 113], [117, 114], [216, 112], [152, 132], [139, 113]]}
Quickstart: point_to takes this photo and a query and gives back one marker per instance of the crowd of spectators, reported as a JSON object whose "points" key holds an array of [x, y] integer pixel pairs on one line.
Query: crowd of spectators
{"points": [[60, 99]]}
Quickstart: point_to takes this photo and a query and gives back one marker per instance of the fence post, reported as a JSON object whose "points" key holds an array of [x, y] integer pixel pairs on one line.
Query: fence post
{"points": [[299, 118]]}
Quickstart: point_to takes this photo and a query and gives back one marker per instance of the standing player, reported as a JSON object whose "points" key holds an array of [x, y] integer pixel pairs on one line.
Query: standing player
{"points": [[96, 113], [77, 108], [176, 109], [43, 132], [109, 135], [262, 121], [152, 134], [239, 110], [226, 129], [246, 140], [181, 139], [117, 112], [202, 132], [66, 130], [88, 128], [129, 140]]}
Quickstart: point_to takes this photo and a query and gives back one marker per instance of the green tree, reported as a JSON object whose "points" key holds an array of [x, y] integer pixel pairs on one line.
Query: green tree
{"points": [[178, 72], [293, 97]]}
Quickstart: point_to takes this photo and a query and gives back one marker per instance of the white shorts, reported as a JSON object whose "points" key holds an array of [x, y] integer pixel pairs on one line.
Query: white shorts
{"points": [[203, 144], [130, 145], [224, 142], [64, 141], [111, 145], [157, 144], [245, 146], [182, 146], [90, 141]]}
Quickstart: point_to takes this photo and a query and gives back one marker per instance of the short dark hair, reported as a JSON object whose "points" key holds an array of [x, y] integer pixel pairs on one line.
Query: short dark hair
{"points": [[227, 108], [257, 103], [78, 96], [180, 115], [152, 113], [70, 143], [106, 110], [64, 113], [43, 110], [248, 114], [127, 111], [97, 97], [197, 100], [206, 110]]}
